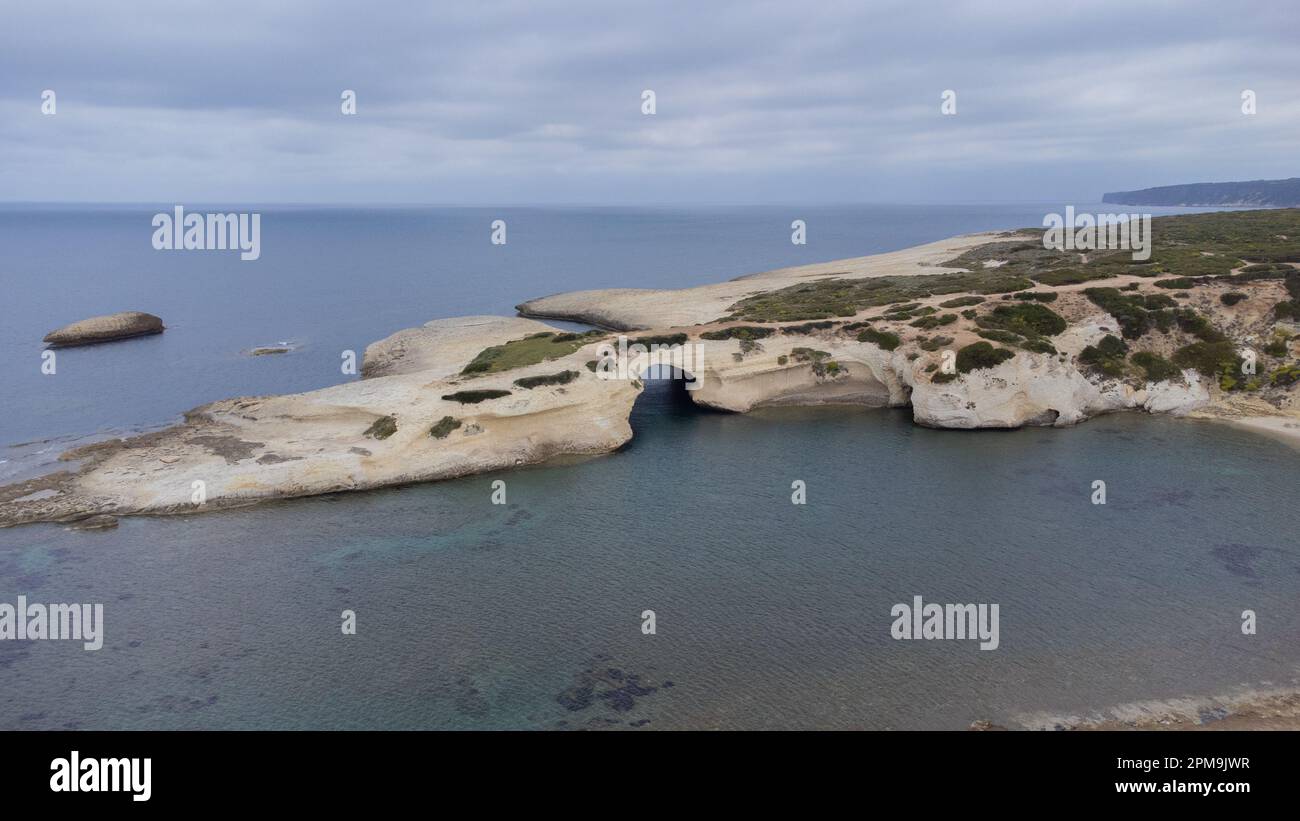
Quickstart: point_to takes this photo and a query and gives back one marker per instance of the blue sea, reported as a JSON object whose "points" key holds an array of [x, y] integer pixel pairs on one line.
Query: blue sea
{"points": [[529, 615]]}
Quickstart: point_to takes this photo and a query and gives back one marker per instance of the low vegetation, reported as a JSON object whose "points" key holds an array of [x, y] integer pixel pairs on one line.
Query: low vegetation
{"points": [[738, 332], [883, 339], [382, 428], [665, 340], [1106, 357], [474, 397], [520, 353], [1157, 368], [561, 378], [979, 355], [444, 427]]}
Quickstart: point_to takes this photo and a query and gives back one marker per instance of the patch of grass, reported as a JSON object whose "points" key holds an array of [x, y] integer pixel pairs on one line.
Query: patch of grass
{"points": [[1157, 368], [519, 353], [1176, 284], [1285, 376], [942, 378], [382, 428], [936, 343], [444, 427], [808, 327], [1028, 320], [1038, 296], [934, 321], [585, 336], [1070, 277], [738, 332], [979, 355], [884, 339], [474, 397], [830, 298], [1231, 298], [962, 302], [1001, 336], [561, 378], [666, 340]]}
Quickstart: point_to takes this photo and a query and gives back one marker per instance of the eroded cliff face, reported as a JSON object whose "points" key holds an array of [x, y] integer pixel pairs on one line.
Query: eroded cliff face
{"points": [[1030, 389]]}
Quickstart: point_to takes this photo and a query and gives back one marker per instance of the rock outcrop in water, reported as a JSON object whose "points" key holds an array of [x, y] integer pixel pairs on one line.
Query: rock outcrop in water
{"points": [[913, 328], [109, 328]]}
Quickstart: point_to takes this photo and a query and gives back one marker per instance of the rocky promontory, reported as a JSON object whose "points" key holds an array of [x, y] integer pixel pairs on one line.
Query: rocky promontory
{"points": [[108, 328], [983, 331]]}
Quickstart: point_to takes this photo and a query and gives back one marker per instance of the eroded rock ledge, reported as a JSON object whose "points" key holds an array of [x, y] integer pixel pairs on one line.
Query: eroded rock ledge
{"points": [[1033, 345]]}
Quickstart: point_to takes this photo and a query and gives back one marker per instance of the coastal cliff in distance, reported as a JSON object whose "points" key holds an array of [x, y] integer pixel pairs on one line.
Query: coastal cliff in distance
{"points": [[1257, 193], [982, 331]]}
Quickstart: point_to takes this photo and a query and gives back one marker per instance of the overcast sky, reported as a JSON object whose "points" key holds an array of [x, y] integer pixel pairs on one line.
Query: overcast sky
{"points": [[537, 102]]}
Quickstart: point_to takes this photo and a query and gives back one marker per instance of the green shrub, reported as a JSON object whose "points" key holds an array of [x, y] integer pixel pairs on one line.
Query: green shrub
{"points": [[1069, 277], [1285, 376], [1232, 298], [666, 340], [1158, 369], [936, 343], [934, 321], [962, 302], [1038, 296], [782, 359], [474, 397], [382, 428], [1106, 357], [884, 339], [445, 426], [979, 355], [561, 378], [1029, 320], [942, 378], [1208, 358], [808, 327], [585, 336], [1038, 346], [1001, 336], [1176, 284], [738, 332]]}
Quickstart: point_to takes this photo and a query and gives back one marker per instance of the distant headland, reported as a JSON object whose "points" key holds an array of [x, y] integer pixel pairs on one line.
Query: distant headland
{"points": [[1262, 193]]}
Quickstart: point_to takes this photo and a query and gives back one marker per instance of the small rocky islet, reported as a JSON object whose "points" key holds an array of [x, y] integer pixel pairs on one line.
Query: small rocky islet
{"points": [[107, 328]]}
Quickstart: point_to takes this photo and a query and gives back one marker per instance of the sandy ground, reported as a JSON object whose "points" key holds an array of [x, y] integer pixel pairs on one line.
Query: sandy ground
{"points": [[644, 308]]}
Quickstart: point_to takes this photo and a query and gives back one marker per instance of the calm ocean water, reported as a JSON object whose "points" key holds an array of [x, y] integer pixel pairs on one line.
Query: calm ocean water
{"points": [[528, 616]]}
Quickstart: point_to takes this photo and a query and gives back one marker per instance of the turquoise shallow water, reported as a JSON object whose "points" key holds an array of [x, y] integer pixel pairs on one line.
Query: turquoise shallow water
{"points": [[768, 614], [527, 615]]}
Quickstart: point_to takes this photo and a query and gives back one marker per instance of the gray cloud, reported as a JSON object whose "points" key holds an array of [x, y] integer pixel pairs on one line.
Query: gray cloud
{"points": [[512, 101]]}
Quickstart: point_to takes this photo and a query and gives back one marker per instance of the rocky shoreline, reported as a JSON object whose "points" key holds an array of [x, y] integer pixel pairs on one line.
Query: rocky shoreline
{"points": [[474, 394]]}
